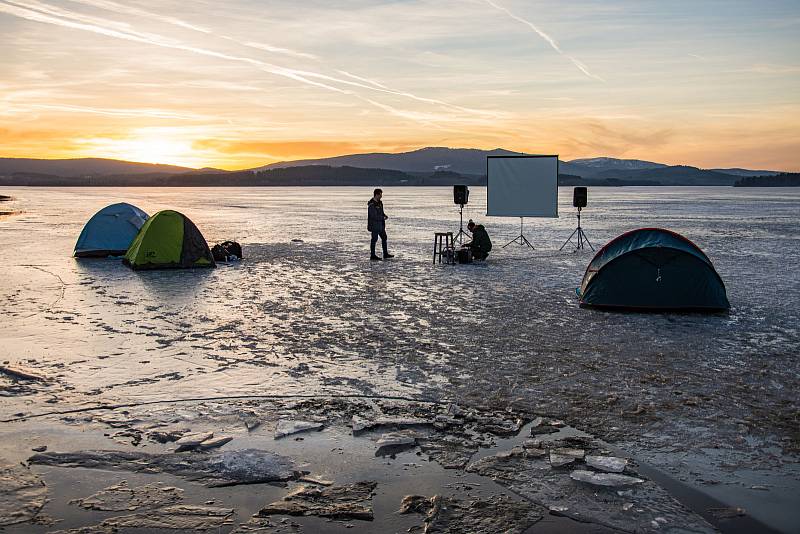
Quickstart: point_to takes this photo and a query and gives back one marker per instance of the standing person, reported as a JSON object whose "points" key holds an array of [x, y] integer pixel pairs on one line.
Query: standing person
{"points": [[480, 244], [376, 223]]}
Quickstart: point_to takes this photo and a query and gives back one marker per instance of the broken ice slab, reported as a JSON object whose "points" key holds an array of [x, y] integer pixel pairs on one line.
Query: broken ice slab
{"points": [[191, 441], [165, 436], [610, 464], [176, 517], [564, 456], [121, 497], [287, 428], [359, 424], [396, 439], [540, 426], [497, 513], [18, 373], [351, 501], [219, 468], [22, 494], [214, 443], [604, 479], [393, 442], [185, 517]]}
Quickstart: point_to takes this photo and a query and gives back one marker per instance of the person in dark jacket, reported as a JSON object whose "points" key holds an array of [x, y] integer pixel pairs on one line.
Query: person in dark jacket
{"points": [[480, 244], [376, 223]]}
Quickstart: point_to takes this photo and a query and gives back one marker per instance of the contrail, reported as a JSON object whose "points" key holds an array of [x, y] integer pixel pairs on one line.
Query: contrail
{"points": [[552, 42], [276, 49], [359, 78], [41, 12], [156, 113], [113, 6], [123, 9]]}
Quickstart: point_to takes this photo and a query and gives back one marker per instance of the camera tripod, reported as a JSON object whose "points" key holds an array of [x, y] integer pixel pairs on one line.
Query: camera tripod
{"points": [[581, 235]]}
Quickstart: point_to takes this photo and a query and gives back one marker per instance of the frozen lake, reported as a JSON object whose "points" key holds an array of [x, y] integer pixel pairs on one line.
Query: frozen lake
{"points": [[317, 317]]}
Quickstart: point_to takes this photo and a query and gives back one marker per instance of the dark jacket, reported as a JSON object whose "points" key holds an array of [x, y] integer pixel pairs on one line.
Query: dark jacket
{"points": [[376, 220], [480, 239]]}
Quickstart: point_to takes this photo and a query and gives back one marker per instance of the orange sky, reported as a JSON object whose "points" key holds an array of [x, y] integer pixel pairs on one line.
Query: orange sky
{"points": [[241, 84]]}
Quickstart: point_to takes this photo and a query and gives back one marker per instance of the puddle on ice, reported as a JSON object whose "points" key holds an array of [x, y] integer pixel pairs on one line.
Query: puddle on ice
{"points": [[332, 454]]}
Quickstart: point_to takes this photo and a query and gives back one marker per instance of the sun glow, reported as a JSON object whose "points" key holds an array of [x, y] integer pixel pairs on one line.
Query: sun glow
{"points": [[149, 147]]}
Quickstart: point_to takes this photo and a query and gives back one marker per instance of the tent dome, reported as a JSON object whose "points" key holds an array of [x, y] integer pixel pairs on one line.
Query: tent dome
{"points": [[652, 269], [110, 231], [168, 240]]}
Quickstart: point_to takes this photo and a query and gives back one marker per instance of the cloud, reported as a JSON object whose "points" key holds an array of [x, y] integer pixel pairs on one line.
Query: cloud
{"points": [[41, 12], [279, 149], [359, 78], [115, 112], [552, 42], [275, 49]]}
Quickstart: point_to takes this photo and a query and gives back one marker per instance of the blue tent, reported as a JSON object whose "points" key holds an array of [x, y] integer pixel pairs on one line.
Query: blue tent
{"points": [[110, 231], [652, 269]]}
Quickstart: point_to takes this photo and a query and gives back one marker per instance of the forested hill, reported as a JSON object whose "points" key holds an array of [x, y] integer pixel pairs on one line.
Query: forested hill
{"points": [[788, 179]]}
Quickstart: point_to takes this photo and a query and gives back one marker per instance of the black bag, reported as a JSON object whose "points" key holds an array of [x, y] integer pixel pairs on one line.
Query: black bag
{"points": [[227, 251]]}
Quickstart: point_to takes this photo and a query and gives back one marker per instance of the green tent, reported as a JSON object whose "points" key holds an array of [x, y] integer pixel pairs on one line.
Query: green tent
{"points": [[652, 269], [168, 240]]}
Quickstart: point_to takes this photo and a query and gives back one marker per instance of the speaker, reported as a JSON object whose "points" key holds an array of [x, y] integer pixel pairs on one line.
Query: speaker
{"points": [[579, 197], [460, 194]]}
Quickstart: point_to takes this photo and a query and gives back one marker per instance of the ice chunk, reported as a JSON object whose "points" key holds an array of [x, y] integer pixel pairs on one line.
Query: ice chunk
{"points": [[352, 501], [611, 464], [287, 428], [564, 456], [604, 479], [191, 441], [22, 494]]}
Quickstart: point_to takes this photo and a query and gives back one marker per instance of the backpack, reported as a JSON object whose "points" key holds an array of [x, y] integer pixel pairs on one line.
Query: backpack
{"points": [[227, 251]]}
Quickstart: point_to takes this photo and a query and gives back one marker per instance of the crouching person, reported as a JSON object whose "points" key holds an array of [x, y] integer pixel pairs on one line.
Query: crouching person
{"points": [[480, 244]]}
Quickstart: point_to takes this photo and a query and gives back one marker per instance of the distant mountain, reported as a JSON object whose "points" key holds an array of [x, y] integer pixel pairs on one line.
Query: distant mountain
{"points": [[746, 172], [673, 175], [589, 167], [466, 164], [84, 167], [460, 160]]}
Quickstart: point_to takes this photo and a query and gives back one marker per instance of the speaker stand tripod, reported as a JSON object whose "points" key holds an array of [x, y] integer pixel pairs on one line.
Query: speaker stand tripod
{"points": [[461, 233], [520, 239], [581, 236]]}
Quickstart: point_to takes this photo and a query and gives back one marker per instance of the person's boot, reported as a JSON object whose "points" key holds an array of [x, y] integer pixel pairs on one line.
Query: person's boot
{"points": [[375, 258], [387, 255]]}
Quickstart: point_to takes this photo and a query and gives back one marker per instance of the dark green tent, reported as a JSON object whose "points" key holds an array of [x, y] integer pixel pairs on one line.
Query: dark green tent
{"points": [[652, 269], [168, 240]]}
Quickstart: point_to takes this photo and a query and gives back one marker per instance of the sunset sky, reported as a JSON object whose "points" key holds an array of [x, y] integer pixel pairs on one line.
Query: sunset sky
{"points": [[244, 83]]}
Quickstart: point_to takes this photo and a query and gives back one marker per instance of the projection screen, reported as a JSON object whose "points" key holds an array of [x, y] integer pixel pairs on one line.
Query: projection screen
{"points": [[522, 186]]}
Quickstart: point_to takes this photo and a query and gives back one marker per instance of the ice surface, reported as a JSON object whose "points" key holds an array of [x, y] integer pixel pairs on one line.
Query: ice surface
{"points": [[318, 317]]}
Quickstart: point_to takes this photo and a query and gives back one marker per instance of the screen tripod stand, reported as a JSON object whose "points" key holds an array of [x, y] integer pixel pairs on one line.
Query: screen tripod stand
{"points": [[579, 234], [520, 239]]}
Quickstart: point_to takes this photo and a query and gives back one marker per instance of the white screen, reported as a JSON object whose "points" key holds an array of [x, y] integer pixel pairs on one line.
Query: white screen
{"points": [[522, 186]]}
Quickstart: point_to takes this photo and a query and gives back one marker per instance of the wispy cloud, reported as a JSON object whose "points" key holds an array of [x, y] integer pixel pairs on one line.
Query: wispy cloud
{"points": [[45, 13], [129, 10], [115, 112], [276, 49], [359, 78], [552, 42]]}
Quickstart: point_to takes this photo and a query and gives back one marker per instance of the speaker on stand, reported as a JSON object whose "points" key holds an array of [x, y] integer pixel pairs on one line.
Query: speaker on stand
{"points": [[460, 198], [579, 200]]}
